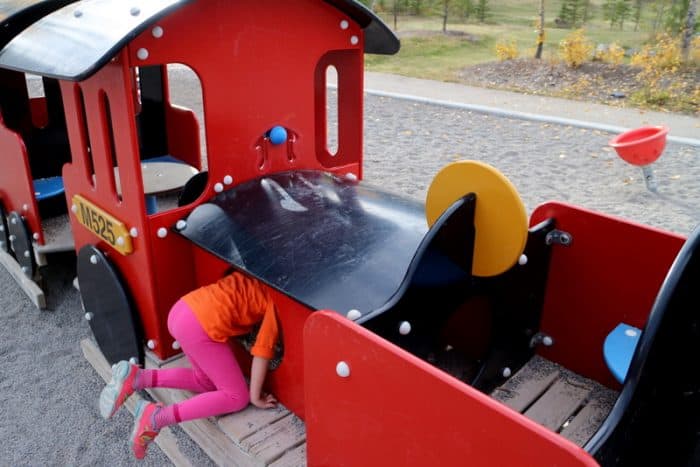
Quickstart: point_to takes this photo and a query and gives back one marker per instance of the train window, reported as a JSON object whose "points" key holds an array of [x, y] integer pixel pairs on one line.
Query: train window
{"points": [[185, 90], [331, 110]]}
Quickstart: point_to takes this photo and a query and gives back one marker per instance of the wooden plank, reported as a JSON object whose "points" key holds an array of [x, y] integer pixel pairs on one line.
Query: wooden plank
{"points": [[294, 458], [30, 288], [527, 385], [207, 434], [558, 403], [273, 441], [166, 441], [586, 423], [243, 424]]}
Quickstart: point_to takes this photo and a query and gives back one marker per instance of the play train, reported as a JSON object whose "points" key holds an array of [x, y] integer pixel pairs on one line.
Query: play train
{"points": [[455, 333]]}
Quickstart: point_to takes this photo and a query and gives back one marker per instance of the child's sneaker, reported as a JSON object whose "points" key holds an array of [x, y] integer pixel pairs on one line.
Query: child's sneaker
{"points": [[119, 388], [144, 427]]}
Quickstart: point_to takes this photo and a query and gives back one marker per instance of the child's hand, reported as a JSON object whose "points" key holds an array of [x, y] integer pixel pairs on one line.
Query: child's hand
{"points": [[263, 401]]}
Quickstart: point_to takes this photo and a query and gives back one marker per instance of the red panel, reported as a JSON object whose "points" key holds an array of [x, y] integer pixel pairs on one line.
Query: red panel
{"points": [[257, 68], [610, 274], [183, 135], [395, 409], [16, 188]]}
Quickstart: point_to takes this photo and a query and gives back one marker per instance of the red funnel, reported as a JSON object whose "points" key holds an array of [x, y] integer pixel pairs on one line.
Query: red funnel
{"points": [[641, 146]]}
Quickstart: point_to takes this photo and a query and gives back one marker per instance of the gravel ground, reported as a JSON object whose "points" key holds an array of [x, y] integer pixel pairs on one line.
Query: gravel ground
{"points": [[48, 391]]}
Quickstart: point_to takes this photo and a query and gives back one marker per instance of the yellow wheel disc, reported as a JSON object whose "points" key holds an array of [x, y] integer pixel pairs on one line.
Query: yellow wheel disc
{"points": [[500, 220]]}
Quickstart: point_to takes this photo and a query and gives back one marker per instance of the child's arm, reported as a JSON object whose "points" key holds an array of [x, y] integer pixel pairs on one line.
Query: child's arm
{"points": [[257, 377]]}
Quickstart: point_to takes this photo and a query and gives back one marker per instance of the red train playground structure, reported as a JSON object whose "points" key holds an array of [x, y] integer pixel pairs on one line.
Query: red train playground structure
{"points": [[455, 333]]}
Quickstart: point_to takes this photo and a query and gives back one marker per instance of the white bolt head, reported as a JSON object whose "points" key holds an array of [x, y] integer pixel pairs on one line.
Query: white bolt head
{"points": [[344, 24], [2, 229], [157, 32], [74, 208], [142, 53], [506, 372], [35, 236], [89, 316], [631, 333], [26, 253], [25, 207], [354, 314], [354, 40], [120, 240], [133, 360], [93, 259], [176, 345], [181, 224], [351, 176], [77, 13], [134, 232], [162, 232], [151, 344], [404, 328], [546, 340], [218, 188], [14, 220], [228, 180], [25, 269], [13, 238], [522, 260], [135, 11], [342, 369]]}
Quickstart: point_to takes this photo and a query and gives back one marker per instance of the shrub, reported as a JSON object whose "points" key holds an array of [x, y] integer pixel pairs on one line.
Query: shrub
{"points": [[611, 54], [575, 48], [506, 50]]}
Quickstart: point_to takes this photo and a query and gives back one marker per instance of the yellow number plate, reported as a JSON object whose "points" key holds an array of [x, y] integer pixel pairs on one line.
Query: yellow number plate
{"points": [[108, 228]]}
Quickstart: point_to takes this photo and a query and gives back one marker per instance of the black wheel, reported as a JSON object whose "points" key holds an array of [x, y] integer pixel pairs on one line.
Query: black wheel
{"points": [[108, 307], [4, 235], [21, 243]]}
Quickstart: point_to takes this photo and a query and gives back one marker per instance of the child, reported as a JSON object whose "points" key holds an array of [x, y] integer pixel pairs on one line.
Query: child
{"points": [[202, 321]]}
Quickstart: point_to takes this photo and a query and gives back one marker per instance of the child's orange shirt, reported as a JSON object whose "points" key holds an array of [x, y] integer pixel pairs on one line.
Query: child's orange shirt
{"points": [[231, 307]]}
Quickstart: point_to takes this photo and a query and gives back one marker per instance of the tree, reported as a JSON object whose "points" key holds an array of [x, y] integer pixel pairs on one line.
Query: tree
{"points": [[690, 25], [637, 13], [540, 31], [616, 11], [445, 13], [481, 10], [573, 12]]}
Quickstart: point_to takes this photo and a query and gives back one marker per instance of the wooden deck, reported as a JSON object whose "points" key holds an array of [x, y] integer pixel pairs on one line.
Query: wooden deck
{"points": [[252, 437], [557, 399]]}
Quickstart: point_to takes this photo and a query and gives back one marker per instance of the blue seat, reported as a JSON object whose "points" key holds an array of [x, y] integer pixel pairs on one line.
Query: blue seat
{"points": [[618, 349], [165, 158], [45, 188]]}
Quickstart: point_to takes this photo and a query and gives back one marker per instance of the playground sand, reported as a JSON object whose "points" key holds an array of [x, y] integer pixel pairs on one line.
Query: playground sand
{"points": [[48, 391]]}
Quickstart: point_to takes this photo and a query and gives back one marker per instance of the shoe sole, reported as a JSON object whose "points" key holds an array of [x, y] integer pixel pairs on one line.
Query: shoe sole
{"points": [[108, 396]]}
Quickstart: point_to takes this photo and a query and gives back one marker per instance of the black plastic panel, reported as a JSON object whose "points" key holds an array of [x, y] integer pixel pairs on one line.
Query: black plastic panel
{"points": [[75, 41], [325, 241], [4, 235], [114, 322], [379, 39], [16, 15], [21, 243]]}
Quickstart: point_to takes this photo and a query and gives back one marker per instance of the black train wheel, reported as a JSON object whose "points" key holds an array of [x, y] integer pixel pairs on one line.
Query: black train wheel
{"points": [[4, 235], [21, 243], [108, 307]]}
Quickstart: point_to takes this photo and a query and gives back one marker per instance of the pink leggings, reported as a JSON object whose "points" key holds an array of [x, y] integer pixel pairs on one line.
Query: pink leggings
{"points": [[215, 374]]}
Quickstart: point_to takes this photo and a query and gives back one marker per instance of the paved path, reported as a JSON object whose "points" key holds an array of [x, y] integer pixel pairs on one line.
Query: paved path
{"points": [[684, 129]]}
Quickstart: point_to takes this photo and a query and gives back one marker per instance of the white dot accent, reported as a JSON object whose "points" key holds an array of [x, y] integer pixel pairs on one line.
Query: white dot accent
{"points": [[342, 369], [120, 241], [93, 259], [25, 269], [2, 229], [35, 236], [631, 333], [26, 253], [135, 11], [354, 314], [522, 260], [228, 180], [162, 232], [506, 372], [176, 345], [77, 13], [25, 207], [14, 220], [404, 328], [351, 176], [157, 32], [13, 238], [142, 53], [547, 341], [88, 316], [74, 208], [151, 344], [134, 232], [133, 360], [180, 225], [344, 24], [354, 40], [218, 188]]}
